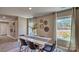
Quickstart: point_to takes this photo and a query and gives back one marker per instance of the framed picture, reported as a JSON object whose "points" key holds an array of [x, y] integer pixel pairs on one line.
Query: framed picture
{"points": [[14, 23], [46, 29], [11, 30], [45, 22], [41, 20], [41, 26]]}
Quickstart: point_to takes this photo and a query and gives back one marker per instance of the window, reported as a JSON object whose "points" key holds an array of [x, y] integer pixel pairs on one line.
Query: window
{"points": [[63, 28], [32, 31]]}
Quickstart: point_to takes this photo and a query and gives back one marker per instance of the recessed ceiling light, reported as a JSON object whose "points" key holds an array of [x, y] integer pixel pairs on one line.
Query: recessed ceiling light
{"points": [[30, 8]]}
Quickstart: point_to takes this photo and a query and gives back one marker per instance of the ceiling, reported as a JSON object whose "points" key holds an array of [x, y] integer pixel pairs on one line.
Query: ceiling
{"points": [[25, 12]]}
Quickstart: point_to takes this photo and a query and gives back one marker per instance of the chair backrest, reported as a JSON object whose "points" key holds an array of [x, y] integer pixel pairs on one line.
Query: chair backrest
{"points": [[22, 42], [50, 48], [32, 45]]}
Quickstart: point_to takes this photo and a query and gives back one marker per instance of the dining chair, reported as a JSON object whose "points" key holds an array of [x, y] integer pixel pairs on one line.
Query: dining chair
{"points": [[48, 48], [33, 46], [22, 43]]}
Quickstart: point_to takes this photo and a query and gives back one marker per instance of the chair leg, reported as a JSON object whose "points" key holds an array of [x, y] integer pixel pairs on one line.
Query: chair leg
{"points": [[26, 49], [41, 50], [20, 49]]}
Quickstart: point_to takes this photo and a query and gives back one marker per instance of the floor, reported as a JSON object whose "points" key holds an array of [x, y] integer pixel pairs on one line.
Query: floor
{"points": [[4, 39], [7, 44], [10, 45], [29, 50]]}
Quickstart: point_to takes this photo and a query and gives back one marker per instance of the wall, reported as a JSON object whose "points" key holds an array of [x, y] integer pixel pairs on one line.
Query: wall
{"points": [[7, 26], [22, 26], [77, 28], [4, 28], [19, 28], [16, 27], [52, 27], [51, 20], [64, 13]]}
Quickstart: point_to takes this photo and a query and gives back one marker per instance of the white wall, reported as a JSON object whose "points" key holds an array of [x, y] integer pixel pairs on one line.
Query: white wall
{"points": [[22, 26], [4, 28]]}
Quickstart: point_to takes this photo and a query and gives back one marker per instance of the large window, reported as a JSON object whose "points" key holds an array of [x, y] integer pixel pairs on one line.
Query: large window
{"points": [[32, 27], [63, 28]]}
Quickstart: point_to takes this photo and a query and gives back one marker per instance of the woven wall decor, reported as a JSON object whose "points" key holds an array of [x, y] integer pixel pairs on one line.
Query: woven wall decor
{"points": [[41, 26], [41, 20], [45, 22], [46, 29]]}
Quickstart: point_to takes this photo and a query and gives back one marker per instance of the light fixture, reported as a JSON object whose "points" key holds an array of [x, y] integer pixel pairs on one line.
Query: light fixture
{"points": [[30, 8]]}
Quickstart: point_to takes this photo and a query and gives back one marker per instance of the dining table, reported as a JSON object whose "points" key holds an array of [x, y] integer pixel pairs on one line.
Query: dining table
{"points": [[41, 41]]}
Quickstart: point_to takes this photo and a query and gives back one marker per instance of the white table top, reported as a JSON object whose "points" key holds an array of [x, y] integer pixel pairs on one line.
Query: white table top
{"points": [[38, 41]]}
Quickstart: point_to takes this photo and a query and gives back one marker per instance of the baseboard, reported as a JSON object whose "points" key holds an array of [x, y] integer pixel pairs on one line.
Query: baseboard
{"points": [[12, 37]]}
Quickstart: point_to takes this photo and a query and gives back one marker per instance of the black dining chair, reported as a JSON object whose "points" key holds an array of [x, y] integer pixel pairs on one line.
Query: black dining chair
{"points": [[22, 43], [49, 48], [33, 46]]}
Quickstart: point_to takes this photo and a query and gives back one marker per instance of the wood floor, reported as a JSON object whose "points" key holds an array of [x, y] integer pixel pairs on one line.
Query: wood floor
{"points": [[10, 45], [7, 43]]}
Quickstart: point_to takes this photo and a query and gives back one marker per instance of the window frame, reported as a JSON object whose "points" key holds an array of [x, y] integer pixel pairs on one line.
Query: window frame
{"points": [[61, 17]]}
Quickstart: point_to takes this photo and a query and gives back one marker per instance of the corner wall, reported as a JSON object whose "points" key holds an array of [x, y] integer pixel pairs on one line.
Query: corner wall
{"points": [[22, 26], [51, 24]]}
